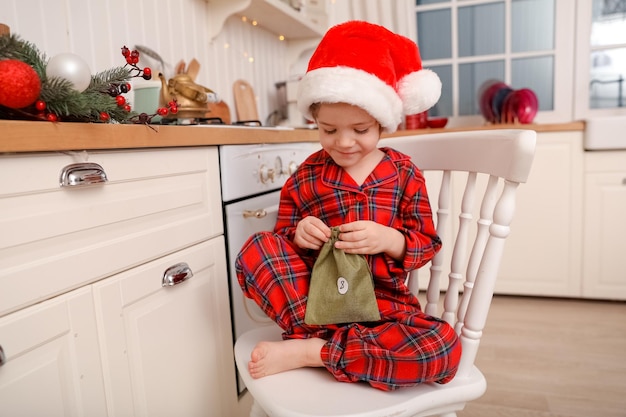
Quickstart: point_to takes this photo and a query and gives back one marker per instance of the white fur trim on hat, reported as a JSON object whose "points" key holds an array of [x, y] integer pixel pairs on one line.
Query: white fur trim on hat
{"points": [[353, 86]]}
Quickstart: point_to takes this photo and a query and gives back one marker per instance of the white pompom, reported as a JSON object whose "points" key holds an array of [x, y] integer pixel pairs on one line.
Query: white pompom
{"points": [[419, 91]]}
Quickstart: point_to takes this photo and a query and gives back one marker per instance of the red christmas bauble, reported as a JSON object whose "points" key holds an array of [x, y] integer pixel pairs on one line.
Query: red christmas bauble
{"points": [[19, 84]]}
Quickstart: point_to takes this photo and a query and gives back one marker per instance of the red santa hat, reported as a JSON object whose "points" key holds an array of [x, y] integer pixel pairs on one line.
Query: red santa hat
{"points": [[370, 67]]}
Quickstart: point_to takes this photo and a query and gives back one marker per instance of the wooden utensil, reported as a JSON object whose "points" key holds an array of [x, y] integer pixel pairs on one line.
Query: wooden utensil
{"points": [[245, 101], [179, 68], [193, 69]]}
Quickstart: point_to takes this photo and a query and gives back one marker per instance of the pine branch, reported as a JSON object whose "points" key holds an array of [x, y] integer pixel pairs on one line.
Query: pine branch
{"points": [[12, 47], [102, 80], [58, 94]]}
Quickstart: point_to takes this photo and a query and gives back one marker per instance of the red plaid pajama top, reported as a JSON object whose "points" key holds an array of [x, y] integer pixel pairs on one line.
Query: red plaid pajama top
{"points": [[406, 346]]}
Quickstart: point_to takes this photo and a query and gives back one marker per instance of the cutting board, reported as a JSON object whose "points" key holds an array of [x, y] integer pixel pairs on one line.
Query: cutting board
{"points": [[245, 101], [219, 109]]}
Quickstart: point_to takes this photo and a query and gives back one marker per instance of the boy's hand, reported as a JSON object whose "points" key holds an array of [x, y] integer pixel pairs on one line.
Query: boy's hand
{"points": [[366, 237], [311, 233]]}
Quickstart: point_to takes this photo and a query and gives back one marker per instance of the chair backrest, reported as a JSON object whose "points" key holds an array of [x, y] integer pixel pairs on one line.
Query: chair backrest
{"points": [[479, 172]]}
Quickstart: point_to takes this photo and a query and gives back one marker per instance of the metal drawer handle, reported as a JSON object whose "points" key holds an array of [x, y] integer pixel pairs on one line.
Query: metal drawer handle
{"points": [[82, 174], [3, 359], [176, 274], [259, 214]]}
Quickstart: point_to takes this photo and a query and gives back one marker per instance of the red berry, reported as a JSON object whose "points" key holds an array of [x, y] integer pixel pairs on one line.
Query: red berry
{"points": [[174, 109], [127, 107], [120, 100], [128, 87], [147, 71], [125, 51], [40, 105], [52, 117], [129, 60], [104, 116]]}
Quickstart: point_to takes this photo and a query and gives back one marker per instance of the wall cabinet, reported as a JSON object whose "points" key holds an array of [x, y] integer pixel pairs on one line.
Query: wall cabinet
{"points": [[86, 326], [604, 263], [276, 16], [302, 29]]}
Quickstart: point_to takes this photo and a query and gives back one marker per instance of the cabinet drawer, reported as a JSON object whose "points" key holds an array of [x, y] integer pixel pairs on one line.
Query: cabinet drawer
{"points": [[53, 238]]}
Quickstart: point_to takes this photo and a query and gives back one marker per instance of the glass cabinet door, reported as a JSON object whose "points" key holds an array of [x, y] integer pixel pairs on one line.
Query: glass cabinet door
{"points": [[470, 42], [607, 80]]}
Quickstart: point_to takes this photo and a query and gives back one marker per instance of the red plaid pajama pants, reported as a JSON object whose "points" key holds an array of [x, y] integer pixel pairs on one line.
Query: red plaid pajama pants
{"points": [[406, 347]]}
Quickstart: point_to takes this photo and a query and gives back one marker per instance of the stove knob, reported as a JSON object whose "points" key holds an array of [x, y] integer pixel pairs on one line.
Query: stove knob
{"points": [[292, 168], [278, 166], [266, 174]]}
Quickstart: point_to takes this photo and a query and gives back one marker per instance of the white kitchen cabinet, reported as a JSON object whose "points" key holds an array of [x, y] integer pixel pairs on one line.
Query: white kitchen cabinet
{"points": [[168, 350], [52, 364], [85, 324], [543, 254], [604, 263], [54, 239]]}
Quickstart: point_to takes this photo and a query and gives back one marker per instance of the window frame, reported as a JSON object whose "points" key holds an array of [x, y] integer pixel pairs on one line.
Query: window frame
{"points": [[563, 52]]}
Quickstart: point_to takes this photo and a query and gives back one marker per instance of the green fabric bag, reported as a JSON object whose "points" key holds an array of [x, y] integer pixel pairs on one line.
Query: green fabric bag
{"points": [[341, 289]]}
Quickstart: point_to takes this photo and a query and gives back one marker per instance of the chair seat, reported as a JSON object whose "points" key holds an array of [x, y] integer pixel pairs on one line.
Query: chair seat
{"points": [[314, 391]]}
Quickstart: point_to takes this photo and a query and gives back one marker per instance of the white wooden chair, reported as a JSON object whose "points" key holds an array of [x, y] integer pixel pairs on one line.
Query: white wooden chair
{"points": [[505, 157]]}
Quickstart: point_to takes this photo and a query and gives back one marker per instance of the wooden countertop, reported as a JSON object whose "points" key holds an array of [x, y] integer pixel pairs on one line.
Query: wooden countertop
{"points": [[27, 136]]}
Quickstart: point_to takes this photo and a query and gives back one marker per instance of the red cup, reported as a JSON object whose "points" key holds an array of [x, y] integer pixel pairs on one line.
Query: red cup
{"points": [[416, 121]]}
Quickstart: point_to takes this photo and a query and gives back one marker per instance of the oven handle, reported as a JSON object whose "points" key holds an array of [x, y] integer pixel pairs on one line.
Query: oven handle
{"points": [[260, 213]]}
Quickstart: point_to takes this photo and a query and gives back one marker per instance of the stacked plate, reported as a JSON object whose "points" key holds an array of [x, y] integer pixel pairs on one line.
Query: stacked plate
{"points": [[499, 103]]}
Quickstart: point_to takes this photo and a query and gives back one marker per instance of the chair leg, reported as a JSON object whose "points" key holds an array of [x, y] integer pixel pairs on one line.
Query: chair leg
{"points": [[256, 410]]}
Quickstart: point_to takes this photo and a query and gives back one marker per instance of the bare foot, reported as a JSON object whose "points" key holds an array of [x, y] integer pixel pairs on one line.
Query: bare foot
{"points": [[269, 358]]}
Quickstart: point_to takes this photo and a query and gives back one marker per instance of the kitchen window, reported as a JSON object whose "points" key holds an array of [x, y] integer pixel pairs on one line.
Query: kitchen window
{"points": [[521, 42]]}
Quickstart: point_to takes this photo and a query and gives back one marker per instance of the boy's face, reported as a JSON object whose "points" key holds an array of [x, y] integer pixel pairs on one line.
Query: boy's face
{"points": [[348, 133]]}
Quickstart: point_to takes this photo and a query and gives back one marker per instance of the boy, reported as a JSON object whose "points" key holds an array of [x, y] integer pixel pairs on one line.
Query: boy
{"points": [[378, 200]]}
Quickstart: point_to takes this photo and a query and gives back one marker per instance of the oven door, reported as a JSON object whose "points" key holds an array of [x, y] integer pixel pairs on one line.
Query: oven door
{"points": [[243, 219]]}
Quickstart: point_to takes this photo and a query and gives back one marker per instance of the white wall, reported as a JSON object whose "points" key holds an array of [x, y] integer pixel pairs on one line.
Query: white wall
{"points": [[97, 29]]}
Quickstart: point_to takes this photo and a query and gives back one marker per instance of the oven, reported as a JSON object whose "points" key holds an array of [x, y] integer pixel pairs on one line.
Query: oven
{"points": [[251, 178]]}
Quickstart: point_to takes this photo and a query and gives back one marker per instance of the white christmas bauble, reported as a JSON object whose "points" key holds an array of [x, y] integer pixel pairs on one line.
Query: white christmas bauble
{"points": [[70, 67]]}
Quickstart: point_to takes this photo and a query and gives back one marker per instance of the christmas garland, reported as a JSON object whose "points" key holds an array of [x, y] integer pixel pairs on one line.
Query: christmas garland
{"points": [[58, 100]]}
